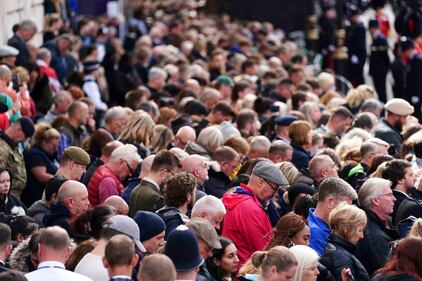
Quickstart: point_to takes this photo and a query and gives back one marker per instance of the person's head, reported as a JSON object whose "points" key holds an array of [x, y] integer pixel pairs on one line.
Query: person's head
{"points": [[259, 147], [134, 98], [416, 229], [21, 130], [184, 135], [74, 196], [5, 239], [376, 195], [54, 245], [99, 215], [79, 252], [74, 162], [120, 253], [371, 148], [4, 181], [340, 120], [26, 30], [124, 161], [165, 164], [22, 227], [12, 275], [400, 173], [280, 151], [46, 137], [152, 229], [139, 128], [372, 106], [322, 166], [182, 248], [312, 112], [210, 208], [196, 165], [210, 139], [332, 192], [247, 122], [115, 119], [300, 132], [406, 258], [397, 111], [365, 121], [307, 260], [227, 158], [348, 222], [239, 144], [157, 267], [290, 230], [157, 78], [62, 102], [277, 264], [206, 234], [118, 204], [78, 113], [224, 261], [95, 143], [266, 179], [179, 190]]}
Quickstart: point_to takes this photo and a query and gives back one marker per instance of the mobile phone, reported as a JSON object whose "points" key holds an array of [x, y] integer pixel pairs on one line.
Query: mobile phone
{"points": [[16, 82]]}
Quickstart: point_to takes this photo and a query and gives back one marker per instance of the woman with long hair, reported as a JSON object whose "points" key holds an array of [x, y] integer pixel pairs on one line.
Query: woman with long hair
{"points": [[223, 264]]}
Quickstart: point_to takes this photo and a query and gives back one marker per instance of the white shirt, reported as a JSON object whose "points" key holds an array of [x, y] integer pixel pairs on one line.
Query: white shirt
{"points": [[93, 267], [92, 90], [54, 271]]}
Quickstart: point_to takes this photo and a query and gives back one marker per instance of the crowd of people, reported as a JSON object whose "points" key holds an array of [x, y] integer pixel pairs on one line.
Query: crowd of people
{"points": [[196, 147]]}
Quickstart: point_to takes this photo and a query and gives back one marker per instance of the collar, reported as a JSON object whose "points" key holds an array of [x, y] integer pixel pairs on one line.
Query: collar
{"points": [[152, 181], [335, 239], [8, 140], [51, 264], [121, 277]]}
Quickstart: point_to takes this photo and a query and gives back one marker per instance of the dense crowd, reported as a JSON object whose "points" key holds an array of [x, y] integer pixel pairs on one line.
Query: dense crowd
{"points": [[196, 147]]}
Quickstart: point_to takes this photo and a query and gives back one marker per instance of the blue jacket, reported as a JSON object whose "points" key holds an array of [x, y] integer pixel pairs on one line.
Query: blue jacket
{"points": [[320, 231], [300, 157]]}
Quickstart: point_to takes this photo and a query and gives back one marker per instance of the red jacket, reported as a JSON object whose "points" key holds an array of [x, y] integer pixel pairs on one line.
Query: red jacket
{"points": [[110, 185], [246, 223]]}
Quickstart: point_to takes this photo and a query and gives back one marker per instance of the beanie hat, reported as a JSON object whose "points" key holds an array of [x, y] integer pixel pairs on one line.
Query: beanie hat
{"points": [[150, 224], [182, 248]]}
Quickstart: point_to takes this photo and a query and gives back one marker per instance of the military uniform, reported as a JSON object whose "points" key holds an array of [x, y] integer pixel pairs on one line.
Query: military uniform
{"points": [[12, 159], [379, 64]]}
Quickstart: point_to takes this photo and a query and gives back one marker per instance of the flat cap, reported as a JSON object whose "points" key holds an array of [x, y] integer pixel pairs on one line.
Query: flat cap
{"points": [[285, 120], [8, 51], [205, 231], [78, 155], [399, 107], [268, 171]]}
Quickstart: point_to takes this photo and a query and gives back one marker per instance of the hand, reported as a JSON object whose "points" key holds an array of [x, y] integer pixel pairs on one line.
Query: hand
{"points": [[346, 275]]}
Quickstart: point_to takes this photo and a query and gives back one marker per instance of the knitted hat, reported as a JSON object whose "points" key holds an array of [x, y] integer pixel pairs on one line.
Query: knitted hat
{"points": [[182, 248], [150, 224]]}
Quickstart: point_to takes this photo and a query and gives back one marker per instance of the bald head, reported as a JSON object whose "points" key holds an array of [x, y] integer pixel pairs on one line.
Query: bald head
{"points": [[183, 136], [74, 196], [196, 165], [117, 203], [146, 166], [157, 267]]}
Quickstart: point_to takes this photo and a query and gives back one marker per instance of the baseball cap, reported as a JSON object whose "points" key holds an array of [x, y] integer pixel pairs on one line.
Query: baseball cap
{"points": [[127, 226]]}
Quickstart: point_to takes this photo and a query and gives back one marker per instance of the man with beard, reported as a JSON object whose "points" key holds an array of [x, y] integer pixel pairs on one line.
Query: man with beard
{"points": [[389, 128]]}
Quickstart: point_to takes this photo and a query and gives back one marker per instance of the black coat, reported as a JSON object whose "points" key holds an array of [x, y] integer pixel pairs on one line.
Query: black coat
{"points": [[23, 57], [379, 62], [413, 82], [339, 254], [216, 184], [387, 133], [373, 250], [400, 197], [300, 157], [393, 277]]}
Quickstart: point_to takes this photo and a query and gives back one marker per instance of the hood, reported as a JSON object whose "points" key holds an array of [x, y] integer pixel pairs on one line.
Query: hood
{"points": [[36, 208], [20, 258], [57, 211], [232, 199]]}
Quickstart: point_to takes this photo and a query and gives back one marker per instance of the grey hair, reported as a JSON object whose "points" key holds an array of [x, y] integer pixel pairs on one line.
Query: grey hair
{"points": [[113, 113], [259, 143], [370, 190], [127, 152], [43, 54], [208, 204], [5, 72], [156, 72], [28, 25], [210, 138]]}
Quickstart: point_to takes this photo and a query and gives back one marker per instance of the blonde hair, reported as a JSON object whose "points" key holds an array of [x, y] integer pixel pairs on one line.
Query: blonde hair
{"points": [[345, 219], [162, 136], [416, 229], [238, 143], [298, 131], [355, 97], [44, 132], [139, 129], [289, 171], [306, 257]]}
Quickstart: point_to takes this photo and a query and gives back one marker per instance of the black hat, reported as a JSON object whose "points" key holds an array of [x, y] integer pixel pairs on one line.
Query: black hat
{"points": [[353, 10], [182, 248], [27, 126], [373, 23], [406, 43]]}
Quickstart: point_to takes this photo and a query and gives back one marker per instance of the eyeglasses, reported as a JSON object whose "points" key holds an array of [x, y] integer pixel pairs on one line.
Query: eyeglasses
{"points": [[275, 188], [390, 194], [129, 167]]}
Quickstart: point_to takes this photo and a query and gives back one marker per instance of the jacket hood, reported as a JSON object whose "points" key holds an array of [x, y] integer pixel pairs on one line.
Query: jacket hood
{"points": [[20, 258], [37, 208], [232, 199], [57, 211]]}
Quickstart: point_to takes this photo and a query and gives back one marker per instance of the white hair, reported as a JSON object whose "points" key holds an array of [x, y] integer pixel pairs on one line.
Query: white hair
{"points": [[127, 152], [259, 143], [370, 190], [208, 204], [305, 257]]}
